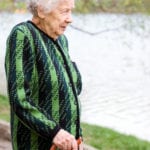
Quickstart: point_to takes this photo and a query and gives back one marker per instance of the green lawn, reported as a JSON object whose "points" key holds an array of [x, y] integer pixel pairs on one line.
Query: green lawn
{"points": [[98, 137], [4, 108], [107, 139]]}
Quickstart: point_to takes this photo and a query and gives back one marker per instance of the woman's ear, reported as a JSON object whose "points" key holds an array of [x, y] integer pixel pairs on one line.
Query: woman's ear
{"points": [[40, 12]]}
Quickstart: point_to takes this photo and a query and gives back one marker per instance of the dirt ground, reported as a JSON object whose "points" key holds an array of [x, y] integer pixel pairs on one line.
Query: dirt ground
{"points": [[5, 145]]}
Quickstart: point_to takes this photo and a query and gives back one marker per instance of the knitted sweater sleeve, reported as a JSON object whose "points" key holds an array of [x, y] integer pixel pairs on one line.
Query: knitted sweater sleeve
{"points": [[19, 68]]}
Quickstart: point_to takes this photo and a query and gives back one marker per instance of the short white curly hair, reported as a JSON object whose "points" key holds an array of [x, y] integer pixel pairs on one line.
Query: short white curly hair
{"points": [[47, 5]]}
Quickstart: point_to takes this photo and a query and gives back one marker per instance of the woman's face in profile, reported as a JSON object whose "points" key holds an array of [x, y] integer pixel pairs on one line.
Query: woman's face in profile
{"points": [[58, 19]]}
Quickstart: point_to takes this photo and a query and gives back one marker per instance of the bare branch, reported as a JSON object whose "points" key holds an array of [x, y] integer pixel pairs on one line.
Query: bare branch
{"points": [[95, 33]]}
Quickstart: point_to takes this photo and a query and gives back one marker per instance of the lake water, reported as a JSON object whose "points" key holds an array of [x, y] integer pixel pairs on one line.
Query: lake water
{"points": [[115, 67]]}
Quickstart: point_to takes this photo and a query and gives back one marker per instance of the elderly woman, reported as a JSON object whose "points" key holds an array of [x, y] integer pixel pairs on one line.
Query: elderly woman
{"points": [[43, 83]]}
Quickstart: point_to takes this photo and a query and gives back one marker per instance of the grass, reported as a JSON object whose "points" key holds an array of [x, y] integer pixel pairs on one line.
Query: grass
{"points": [[107, 139], [4, 108], [96, 136]]}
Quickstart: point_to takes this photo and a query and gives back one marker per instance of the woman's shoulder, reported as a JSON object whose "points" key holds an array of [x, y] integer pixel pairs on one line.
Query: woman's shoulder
{"points": [[20, 26], [23, 28]]}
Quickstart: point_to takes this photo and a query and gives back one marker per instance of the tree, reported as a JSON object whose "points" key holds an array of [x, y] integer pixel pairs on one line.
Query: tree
{"points": [[132, 2]]}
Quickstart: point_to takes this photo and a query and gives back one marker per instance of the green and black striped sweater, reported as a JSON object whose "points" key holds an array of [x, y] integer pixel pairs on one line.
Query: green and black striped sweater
{"points": [[43, 88]]}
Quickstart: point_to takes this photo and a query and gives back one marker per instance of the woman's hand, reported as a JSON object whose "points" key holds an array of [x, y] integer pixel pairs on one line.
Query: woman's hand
{"points": [[65, 141]]}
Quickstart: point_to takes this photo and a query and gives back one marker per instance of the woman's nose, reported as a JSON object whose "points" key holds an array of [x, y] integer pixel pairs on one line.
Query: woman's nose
{"points": [[69, 18]]}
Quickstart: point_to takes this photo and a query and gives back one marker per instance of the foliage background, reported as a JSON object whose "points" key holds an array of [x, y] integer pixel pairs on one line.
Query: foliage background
{"points": [[91, 6], [113, 6]]}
